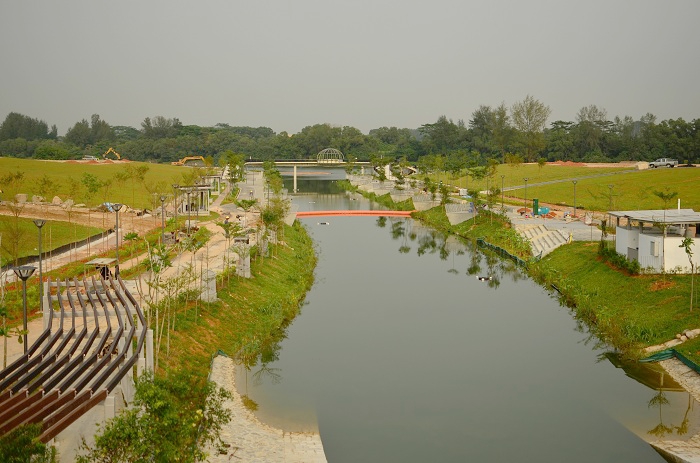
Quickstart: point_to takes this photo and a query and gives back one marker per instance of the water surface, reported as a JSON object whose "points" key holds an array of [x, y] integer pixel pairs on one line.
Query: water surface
{"points": [[402, 354]]}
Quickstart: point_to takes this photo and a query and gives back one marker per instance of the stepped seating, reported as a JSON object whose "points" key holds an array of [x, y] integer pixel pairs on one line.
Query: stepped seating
{"points": [[76, 362], [542, 240]]}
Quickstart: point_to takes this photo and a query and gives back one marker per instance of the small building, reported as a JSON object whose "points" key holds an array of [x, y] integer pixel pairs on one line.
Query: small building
{"points": [[193, 199], [654, 237]]}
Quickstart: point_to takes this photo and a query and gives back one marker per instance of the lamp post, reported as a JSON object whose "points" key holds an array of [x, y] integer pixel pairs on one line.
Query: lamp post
{"points": [[162, 221], [610, 188], [24, 272], [117, 207], [502, 192], [525, 198], [176, 188], [189, 207], [574, 182], [40, 223]]}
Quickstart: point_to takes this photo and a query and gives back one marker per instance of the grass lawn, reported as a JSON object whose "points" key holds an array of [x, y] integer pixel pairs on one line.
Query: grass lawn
{"points": [[54, 235], [631, 191], [60, 177], [629, 311]]}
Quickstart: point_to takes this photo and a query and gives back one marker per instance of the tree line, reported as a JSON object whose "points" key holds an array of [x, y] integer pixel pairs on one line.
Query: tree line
{"points": [[519, 133]]}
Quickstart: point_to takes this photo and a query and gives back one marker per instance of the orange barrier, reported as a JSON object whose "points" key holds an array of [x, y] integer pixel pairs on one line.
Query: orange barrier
{"points": [[355, 213]]}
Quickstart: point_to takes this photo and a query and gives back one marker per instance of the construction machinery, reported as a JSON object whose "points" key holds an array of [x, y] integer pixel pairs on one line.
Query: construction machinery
{"points": [[111, 151], [191, 161]]}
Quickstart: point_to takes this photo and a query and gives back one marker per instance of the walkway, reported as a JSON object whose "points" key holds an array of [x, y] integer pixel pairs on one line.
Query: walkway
{"points": [[249, 439]]}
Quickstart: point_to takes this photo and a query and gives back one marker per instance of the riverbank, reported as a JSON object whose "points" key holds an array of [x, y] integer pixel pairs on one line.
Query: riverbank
{"points": [[251, 441], [628, 312]]}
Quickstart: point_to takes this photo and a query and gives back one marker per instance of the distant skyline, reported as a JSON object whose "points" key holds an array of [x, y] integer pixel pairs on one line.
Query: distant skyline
{"points": [[366, 64]]}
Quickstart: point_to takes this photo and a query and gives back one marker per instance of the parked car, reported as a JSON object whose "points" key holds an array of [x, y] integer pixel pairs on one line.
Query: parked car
{"points": [[661, 162]]}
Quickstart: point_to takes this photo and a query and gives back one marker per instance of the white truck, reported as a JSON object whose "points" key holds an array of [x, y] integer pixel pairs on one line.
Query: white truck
{"points": [[661, 162]]}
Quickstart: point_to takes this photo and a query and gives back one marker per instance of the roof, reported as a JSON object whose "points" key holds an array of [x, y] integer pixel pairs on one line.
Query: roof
{"points": [[101, 261], [672, 216]]}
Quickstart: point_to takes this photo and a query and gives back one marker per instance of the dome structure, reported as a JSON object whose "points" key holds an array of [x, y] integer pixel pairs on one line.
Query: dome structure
{"points": [[330, 156]]}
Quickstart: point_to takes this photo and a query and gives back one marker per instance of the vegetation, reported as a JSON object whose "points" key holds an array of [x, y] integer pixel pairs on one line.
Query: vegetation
{"points": [[54, 235], [517, 133], [252, 314], [173, 419], [136, 184], [22, 445], [602, 288], [629, 312]]}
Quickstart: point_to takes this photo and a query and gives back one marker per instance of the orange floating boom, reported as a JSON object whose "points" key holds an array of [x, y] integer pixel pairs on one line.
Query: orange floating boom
{"points": [[355, 213]]}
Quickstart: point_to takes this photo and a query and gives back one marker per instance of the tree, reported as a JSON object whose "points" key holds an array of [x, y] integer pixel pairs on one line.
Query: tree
{"points": [[441, 136], [529, 118], [18, 125], [481, 126], [21, 445], [80, 134], [687, 244], [160, 127], [12, 231], [173, 419], [666, 197], [501, 129], [589, 130], [92, 185]]}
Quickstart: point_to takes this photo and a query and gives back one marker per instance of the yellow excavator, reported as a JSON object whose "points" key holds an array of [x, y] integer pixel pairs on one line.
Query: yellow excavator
{"points": [[112, 152], [195, 161]]}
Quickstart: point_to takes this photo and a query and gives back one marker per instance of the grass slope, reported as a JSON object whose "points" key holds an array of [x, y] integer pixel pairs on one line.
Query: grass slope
{"points": [[159, 178], [252, 314]]}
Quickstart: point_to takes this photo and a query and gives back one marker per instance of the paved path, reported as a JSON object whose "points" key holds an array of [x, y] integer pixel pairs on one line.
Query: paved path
{"points": [[249, 439]]}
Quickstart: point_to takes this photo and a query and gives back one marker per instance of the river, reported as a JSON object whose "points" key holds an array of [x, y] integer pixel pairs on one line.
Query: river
{"points": [[403, 354]]}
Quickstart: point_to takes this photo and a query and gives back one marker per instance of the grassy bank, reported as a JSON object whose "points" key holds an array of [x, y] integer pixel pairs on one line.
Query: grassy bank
{"points": [[629, 312], [252, 314]]}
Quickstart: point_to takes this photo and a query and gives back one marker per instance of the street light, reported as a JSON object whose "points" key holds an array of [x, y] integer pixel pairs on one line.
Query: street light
{"points": [[574, 182], [502, 192], [117, 207], [525, 198], [40, 223], [189, 207], [24, 272], [162, 217], [176, 188]]}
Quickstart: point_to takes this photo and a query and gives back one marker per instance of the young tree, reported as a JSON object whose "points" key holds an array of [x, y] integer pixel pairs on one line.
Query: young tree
{"points": [[12, 231], [173, 419], [687, 244]]}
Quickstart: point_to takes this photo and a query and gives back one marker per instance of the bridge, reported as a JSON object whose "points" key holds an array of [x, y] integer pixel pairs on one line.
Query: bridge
{"points": [[302, 214]]}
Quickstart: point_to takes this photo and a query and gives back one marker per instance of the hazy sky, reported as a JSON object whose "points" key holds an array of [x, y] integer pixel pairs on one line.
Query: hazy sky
{"points": [[363, 63]]}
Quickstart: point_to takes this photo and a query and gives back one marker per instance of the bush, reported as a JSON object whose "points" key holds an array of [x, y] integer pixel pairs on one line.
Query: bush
{"points": [[617, 260]]}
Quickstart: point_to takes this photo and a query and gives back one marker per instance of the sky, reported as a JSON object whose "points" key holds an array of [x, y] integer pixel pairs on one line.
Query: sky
{"points": [[362, 63]]}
